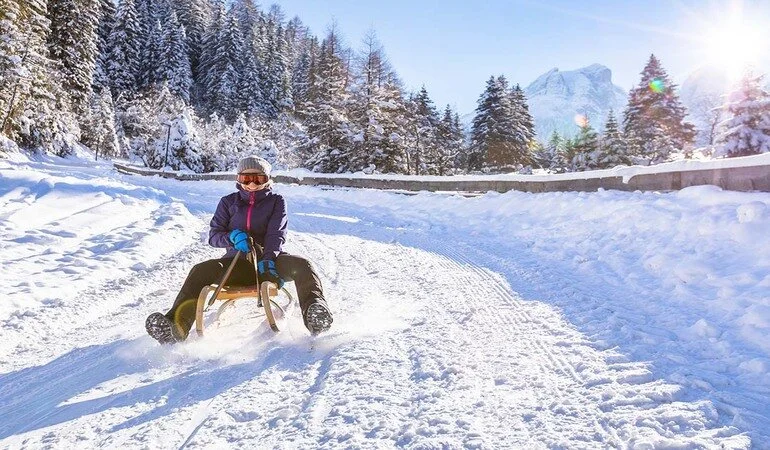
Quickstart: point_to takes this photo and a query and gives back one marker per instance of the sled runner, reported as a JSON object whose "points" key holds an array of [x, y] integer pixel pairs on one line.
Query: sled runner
{"points": [[267, 294]]}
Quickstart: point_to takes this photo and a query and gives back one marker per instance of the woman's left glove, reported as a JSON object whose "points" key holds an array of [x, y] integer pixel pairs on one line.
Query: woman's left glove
{"points": [[268, 272]]}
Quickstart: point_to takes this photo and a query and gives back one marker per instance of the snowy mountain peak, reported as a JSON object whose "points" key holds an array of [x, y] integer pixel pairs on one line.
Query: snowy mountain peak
{"points": [[600, 72], [556, 97]]}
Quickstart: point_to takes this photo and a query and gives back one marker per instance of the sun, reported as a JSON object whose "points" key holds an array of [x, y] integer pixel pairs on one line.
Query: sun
{"points": [[735, 48], [735, 44]]}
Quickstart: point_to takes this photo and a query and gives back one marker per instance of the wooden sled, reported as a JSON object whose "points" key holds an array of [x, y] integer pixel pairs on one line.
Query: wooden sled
{"points": [[229, 295], [266, 294]]}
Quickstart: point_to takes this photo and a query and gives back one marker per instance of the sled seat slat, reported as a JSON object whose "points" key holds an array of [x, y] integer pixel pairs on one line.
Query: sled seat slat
{"points": [[235, 292]]}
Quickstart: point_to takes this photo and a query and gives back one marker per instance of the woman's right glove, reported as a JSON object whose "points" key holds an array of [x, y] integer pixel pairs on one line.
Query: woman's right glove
{"points": [[268, 272], [240, 241]]}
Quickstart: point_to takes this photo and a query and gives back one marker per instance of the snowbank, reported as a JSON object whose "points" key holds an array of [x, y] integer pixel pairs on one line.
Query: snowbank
{"points": [[65, 232]]}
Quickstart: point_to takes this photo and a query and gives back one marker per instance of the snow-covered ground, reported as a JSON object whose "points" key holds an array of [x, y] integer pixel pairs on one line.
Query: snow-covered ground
{"points": [[561, 320]]}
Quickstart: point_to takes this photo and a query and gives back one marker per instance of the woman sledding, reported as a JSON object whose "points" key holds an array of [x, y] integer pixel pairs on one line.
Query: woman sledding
{"points": [[253, 211]]}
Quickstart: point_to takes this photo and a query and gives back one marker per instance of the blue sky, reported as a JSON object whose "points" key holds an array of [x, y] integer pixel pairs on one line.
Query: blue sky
{"points": [[454, 46]]}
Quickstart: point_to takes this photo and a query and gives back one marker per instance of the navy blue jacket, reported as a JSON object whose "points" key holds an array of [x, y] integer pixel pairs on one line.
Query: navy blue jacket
{"points": [[261, 214]]}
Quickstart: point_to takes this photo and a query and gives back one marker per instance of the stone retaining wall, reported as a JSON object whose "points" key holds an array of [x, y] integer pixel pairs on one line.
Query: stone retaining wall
{"points": [[751, 178]]}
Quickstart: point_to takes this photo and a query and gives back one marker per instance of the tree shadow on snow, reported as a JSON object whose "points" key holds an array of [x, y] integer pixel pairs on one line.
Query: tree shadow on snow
{"points": [[33, 398], [42, 396]]}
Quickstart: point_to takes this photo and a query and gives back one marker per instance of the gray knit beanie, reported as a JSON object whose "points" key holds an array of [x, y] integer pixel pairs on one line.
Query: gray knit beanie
{"points": [[254, 163]]}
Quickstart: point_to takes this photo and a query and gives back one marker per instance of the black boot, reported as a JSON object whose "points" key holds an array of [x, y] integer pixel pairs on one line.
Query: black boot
{"points": [[161, 328], [318, 318]]}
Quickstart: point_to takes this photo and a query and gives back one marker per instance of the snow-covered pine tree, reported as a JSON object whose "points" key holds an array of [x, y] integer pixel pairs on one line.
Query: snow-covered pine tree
{"points": [[145, 21], [247, 12], [422, 146], [653, 121], [296, 35], [216, 152], [73, 44], [211, 60], [13, 56], [222, 66], [36, 113], [101, 79], [612, 150], [151, 62], [304, 74], [261, 34], [283, 70], [184, 144], [327, 120], [524, 126], [460, 163], [148, 121], [276, 86], [375, 112], [481, 127], [99, 131], [584, 149], [298, 39], [747, 131], [448, 144], [499, 133], [556, 150], [501, 151], [124, 51], [542, 156], [244, 139], [53, 127], [568, 155], [195, 16], [250, 88], [275, 15], [155, 18], [263, 40], [708, 109], [250, 95], [174, 61], [538, 157], [225, 89], [391, 157], [151, 15]]}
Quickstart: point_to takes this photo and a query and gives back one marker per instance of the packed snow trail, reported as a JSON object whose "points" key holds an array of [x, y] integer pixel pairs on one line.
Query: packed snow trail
{"points": [[437, 372], [443, 337]]}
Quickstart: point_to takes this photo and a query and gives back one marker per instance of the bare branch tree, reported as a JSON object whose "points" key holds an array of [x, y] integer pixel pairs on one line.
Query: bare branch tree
{"points": [[708, 111]]}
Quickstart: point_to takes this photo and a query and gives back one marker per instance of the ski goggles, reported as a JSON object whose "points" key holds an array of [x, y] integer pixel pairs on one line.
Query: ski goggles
{"points": [[258, 178]]}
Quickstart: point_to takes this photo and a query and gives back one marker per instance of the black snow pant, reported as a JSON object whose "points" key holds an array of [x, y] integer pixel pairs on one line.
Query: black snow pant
{"points": [[290, 268]]}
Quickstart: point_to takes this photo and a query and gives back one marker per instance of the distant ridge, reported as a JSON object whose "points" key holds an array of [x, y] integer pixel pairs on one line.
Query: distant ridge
{"points": [[556, 97]]}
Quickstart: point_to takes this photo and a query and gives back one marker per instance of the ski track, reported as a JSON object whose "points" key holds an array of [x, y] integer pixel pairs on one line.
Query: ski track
{"points": [[430, 349]]}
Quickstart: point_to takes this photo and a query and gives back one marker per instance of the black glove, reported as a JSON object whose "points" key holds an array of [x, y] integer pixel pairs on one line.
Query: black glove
{"points": [[268, 272]]}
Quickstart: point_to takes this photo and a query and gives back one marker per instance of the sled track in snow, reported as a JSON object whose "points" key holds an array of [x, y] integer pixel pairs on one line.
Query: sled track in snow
{"points": [[578, 389], [618, 389], [472, 316]]}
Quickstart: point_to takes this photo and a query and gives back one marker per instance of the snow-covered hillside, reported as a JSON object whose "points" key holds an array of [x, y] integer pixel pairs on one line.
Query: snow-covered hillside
{"points": [[556, 97], [568, 320]]}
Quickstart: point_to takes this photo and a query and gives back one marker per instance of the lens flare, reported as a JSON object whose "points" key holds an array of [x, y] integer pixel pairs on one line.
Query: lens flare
{"points": [[657, 86], [581, 120]]}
